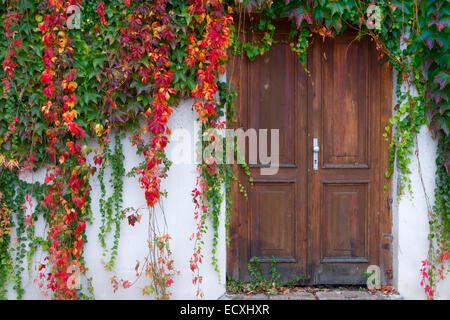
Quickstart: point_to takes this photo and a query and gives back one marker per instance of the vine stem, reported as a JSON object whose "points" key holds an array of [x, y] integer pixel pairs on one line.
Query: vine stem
{"points": [[419, 168]]}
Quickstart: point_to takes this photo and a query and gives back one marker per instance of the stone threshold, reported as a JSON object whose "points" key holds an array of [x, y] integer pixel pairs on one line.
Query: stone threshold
{"points": [[316, 295]]}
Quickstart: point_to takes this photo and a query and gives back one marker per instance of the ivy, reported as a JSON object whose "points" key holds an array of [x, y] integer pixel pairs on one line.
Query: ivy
{"points": [[125, 69], [111, 210]]}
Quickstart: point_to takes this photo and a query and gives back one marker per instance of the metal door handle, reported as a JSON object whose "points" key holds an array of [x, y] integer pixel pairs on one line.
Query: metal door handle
{"points": [[316, 150]]}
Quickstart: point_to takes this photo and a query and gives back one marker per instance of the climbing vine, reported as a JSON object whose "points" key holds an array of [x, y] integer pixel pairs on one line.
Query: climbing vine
{"points": [[110, 207], [123, 66]]}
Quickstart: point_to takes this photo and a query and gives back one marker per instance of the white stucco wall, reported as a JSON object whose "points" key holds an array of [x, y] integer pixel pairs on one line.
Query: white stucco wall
{"points": [[410, 224], [410, 218], [179, 212]]}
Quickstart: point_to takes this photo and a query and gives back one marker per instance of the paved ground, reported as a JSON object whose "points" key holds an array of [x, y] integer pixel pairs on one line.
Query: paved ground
{"points": [[316, 295]]}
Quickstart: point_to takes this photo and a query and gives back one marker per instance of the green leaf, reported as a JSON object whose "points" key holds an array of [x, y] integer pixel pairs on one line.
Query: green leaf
{"points": [[98, 61]]}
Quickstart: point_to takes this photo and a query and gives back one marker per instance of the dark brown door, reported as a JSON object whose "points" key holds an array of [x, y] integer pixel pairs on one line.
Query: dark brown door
{"points": [[326, 224], [345, 104], [272, 219]]}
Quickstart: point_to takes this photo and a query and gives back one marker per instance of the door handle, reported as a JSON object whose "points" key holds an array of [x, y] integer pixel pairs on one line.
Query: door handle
{"points": [[316, 150]]}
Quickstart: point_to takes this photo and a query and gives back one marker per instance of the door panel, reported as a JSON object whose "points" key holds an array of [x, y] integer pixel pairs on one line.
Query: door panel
{"points": [[272, 103], [344, 92], [273, 234], [344, 191], [325, 225], [271, 221], [344, 222]]}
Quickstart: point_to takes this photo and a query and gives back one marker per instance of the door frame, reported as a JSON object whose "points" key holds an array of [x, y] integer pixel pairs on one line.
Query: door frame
{"points": [[236, 232]]}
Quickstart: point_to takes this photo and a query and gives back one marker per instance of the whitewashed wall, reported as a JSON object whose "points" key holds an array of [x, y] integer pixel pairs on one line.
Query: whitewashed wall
{"points": [[410, 224], [410, 218], [179, 212]]}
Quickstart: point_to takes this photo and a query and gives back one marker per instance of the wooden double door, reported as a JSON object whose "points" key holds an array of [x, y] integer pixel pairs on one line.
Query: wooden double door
{"points": [[325, 224]]}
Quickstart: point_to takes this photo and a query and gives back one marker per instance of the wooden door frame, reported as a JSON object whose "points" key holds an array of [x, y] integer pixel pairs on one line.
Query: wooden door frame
{"points": [[235, 256]]}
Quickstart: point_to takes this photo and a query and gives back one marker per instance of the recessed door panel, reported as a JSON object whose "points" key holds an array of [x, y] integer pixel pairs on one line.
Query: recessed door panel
{"points": [[272, 103], [345, 103], [344, 222], [273, 234]]}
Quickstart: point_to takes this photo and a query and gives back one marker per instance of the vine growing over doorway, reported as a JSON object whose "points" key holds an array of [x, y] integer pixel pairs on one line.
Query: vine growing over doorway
{"points": [[124, 68]]}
